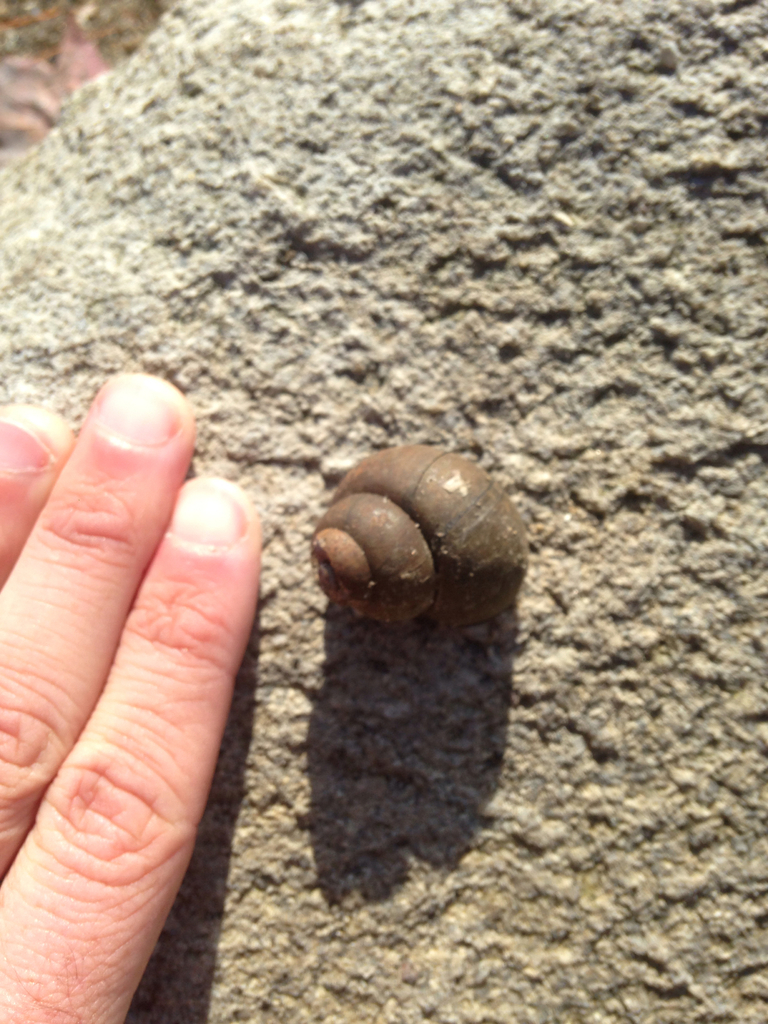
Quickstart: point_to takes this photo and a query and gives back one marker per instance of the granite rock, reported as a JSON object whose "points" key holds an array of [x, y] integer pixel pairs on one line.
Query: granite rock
{"points": [[533, 231]]}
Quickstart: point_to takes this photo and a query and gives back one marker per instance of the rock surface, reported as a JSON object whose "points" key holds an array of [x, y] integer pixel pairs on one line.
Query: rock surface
{"points": [[535, 232]]}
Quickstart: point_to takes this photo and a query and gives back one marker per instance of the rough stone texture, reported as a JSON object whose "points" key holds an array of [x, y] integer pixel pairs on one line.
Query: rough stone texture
{"points": [[534, 232], [36, 27]]}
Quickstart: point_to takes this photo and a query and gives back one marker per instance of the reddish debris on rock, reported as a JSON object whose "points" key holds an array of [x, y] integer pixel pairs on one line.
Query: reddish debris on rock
{"points": [[32, 91]]}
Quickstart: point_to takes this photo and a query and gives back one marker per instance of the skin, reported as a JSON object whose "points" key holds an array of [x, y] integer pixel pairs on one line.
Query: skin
{"points": [[126, 603]]}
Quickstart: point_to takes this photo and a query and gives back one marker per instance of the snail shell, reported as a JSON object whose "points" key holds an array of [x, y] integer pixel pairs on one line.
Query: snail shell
{"points": [[420, 531]]}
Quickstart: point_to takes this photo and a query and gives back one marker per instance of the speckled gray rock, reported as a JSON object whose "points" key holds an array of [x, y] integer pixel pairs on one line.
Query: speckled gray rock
{"points": [[535, 232]]}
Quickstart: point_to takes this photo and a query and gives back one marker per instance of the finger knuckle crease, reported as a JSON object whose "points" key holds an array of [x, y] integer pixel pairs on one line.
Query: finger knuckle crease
{"points": [[111, 812], [30, 751], [182, 623], [98, 520]]}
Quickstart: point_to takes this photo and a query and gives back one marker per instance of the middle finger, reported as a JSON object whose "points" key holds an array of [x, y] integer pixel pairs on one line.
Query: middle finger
{"points": [[65, 604]]}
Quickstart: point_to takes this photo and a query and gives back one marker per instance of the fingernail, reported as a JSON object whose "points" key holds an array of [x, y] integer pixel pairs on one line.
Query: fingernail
{"points": [[139, 410], [20, 450], [210, 513]]}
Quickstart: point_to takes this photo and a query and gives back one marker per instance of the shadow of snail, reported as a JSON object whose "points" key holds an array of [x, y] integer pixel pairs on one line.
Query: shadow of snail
{"points": [[405, 745], [406, 738]]}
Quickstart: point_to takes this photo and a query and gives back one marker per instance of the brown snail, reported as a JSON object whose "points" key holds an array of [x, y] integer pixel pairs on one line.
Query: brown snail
{"points": [[420, 531]]}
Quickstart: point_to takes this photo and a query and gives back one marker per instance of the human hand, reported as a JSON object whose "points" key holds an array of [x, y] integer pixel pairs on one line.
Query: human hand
{"points": [[120, 636]]}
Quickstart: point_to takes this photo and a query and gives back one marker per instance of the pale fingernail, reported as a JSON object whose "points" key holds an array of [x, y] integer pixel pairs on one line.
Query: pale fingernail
{"points": [[21, 451], [140, 410], [210, 513]]}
